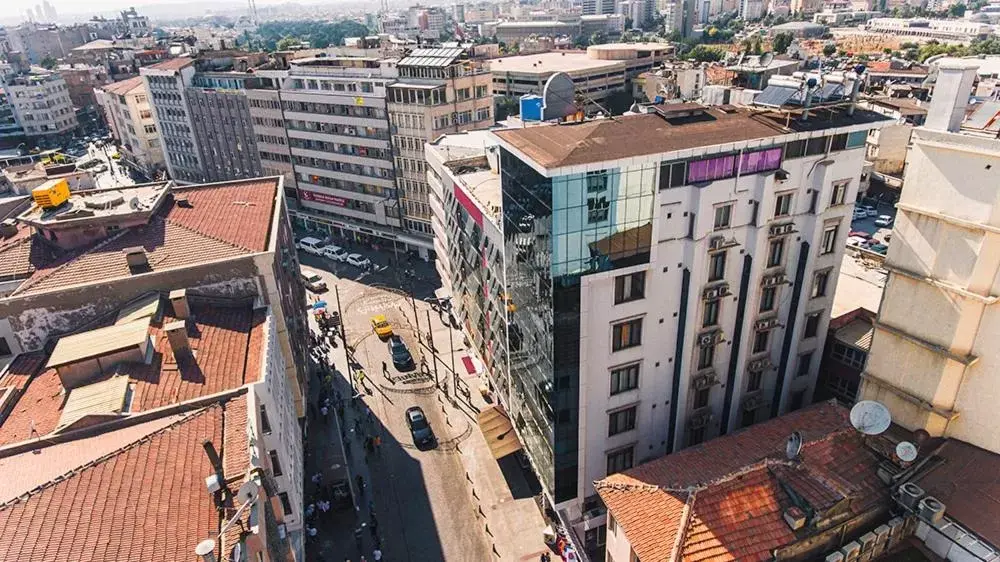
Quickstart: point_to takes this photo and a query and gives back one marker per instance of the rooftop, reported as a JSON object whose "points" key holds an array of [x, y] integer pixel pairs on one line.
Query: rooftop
{"points": [[436, 58], [123, 87], [554, 61], [98, 45], [225, 342], [87, 206], [172, 64], [905, 106], [859, 285], [724, 500], [600, 140]]}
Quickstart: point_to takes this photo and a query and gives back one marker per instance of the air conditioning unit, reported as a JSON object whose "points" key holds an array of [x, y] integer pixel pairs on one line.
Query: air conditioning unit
{"points": [[699, 421], [834, 557], [772, 280], [753, 402], [766, 324], [781, 229], [910, 495], [716, 243], [712, 293], [705, 381], [851, 551], [931, 510], [758, 365], [706, 340]]}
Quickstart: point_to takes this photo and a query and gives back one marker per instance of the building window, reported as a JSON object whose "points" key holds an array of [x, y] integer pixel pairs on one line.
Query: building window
{"points": [[797, 401], [812, 324], [829, 239], [717, 266], [723, 215], [776, 252], [767, 298], [805, 362], [754, 380], [820, 279], [711, 316], [597, 209], [838, 142], [265, 424], [620, 460], [612, 527], [630, 287], [760, 341], [275, 463], [749, 418], [848, 356], [624, 379], [4, 347], [673, 174], [627, 334], [286, 504], [783, 205], [816, 146], [701, 398], [621, 421], [839, 192], [706, 356], [696, 436]]}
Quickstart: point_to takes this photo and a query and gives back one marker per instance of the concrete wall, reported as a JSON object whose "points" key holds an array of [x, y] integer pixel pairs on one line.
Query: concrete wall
{"points": [[888, 148]]}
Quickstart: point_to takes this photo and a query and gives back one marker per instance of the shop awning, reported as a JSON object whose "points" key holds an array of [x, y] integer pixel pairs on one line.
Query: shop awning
{"points": [[499, 432]]}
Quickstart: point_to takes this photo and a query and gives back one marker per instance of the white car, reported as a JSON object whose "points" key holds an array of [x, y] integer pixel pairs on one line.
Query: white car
{"points": [[883, 220], [358, 260], [858, 241], [859, 213], [335, 253], [312, 246]]}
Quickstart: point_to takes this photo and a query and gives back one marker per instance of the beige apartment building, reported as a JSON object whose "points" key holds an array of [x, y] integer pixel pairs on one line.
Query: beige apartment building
{"points": [[439, 91], [130, 118], [934, 360]]}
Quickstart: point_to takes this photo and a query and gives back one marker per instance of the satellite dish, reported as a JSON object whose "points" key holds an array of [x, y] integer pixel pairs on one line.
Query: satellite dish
{"points": [[793, 445], [247, 492], [811, 83], [558, 97], [765, 59], [741, 59], [906, 451], [870, 417], [205, 547]]}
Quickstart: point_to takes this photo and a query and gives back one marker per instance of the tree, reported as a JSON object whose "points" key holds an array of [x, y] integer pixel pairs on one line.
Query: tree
{"points": [[285, 42], [829, 49], [598, 38], [957, 10], [48, 62], [782, 41], [701, 53]]}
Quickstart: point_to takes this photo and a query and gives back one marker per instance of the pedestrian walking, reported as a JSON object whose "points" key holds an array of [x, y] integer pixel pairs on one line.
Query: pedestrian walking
{"points": [[312, 531], [368, 415], [358, 538], [324, 411], [361, 482], [317, 477], [373, 527], [377, 555], [385, 368]]}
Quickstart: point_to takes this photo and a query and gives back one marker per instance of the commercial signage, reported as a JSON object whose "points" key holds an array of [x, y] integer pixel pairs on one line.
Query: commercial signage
{"points": [[323, 198]]}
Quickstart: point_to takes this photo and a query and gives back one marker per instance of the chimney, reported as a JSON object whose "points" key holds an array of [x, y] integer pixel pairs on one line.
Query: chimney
{"points": [[136, 258], [951, 94], [178, 298], [177, 336], [8, 228], [795, 518]]}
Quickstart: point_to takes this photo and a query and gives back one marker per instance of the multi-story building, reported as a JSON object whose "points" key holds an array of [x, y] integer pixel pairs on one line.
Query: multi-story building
{"points": [[11, 131], [954, 30], [595, 7], [41, 104], [82, 80], [933, 361], [667, 276], [38, 41], [439, 91], [130, 118], [162, 317]]}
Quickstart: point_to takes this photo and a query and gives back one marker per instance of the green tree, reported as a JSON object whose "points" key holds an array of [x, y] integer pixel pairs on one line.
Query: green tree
{"points": [[781, 42], [701, 53], [829, 49], [48, 62], [285, 42], [598, 38], [957, 10]]}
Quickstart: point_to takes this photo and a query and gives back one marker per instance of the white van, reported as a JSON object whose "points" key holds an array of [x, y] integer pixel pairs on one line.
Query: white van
{"points": [[335, 253], [312, 246]]}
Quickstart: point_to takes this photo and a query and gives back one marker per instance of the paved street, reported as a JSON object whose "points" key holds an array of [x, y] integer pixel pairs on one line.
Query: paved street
{"points": [[422, 497], [116, 175]]}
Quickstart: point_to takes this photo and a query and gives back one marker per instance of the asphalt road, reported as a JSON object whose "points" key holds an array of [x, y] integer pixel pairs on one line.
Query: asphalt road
{"points": [[424, 509]]}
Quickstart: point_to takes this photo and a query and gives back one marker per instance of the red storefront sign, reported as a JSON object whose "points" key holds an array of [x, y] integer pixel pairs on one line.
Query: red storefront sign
{"points": [[323, 198]]}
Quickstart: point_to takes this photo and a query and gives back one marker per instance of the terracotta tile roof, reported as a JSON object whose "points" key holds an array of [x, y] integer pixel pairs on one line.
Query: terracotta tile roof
{"points": [[725, 498], [145, 501], [172, 64], [237, 212], [21, 369], [221, 338], [123, 87]]}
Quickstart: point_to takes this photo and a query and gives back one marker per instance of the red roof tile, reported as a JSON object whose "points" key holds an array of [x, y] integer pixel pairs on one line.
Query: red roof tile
{"points": [[237, 212], [146, 501], [22, 369], [123, 87], [172, 64]]}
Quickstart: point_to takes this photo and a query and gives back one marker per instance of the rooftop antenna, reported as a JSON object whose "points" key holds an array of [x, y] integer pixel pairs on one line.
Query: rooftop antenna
{"points": [[253, 13], [870, 417], [793, 445], [906, 451]]}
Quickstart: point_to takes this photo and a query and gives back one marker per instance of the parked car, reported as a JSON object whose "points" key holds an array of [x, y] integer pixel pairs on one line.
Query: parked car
{"points": [[381, 326], [859, 234], [858, 241], [313, 282], [859, 214], [335, 253], [419, 428], [883, 220], [357, 260], [100, 169], [401, 357], [880, 248], [311, 245], [870, 210]]}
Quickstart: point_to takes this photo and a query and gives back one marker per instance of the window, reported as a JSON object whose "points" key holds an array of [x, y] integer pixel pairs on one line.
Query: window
{"points": [[749, 418], [597, 209], [754, 380], [775, 252], [711, 169], [630, 287], [820, 279], [620, 460], [816, 146], [848, 356], [265, 423], [286, 504], [767, 299], [805, 362], [696, 436], [627, 334], [760, 341], [701, 398], [4, 347], [829, 239], [797, 401], [673, 174], [706, 356], [723, 214], [795, 149], [760, 161], [275, 463], [812, 324], [839, 192], [856, 139], [838, 142], [624, 379], [717, 266], [782, 205], [612, 527], [621, 421], [711, 316]]}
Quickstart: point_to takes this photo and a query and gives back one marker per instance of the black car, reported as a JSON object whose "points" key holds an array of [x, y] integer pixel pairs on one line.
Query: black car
{"points": [[419, 428], [401, 358]]}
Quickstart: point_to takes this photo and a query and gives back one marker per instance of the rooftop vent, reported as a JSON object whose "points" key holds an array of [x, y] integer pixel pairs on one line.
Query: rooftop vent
{"points": [[136, 259], [179, 300], [177, 336], [795, 517], [183, 201], [8, 228]]}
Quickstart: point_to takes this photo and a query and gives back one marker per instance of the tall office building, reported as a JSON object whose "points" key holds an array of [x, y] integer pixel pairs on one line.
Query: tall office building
{"points": [[643, 284]]}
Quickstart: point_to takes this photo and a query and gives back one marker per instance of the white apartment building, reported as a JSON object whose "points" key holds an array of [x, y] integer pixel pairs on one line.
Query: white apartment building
{"points": [[954, 30], [40, 103], [933, 360], [667, 278], [130, 118]]}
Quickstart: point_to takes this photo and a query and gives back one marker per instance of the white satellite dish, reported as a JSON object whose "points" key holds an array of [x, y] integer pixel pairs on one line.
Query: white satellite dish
{"points": [[793, 445], [906, 451], [247, 492], [765, 59], [870, 417], [205, 548]]}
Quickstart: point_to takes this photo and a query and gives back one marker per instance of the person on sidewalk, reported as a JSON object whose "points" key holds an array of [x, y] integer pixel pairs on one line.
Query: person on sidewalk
{"points": [[377, 555]]}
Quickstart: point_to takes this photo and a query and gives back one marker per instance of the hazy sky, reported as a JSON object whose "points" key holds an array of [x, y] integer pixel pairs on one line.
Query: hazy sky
{"points": [[14, 9]]}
